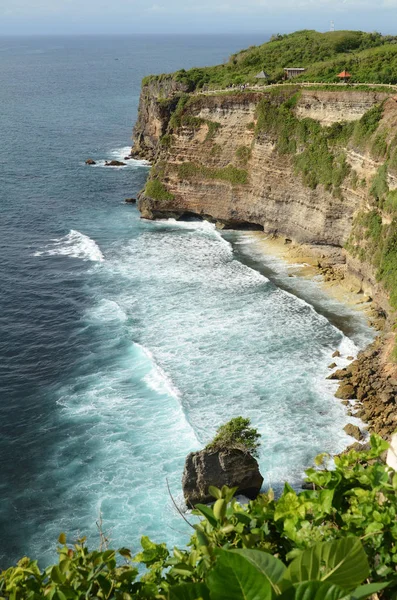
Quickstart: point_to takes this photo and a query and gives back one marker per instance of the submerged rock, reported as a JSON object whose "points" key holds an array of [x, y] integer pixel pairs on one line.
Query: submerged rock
{"points": [[130, 200], [114, 163], [89, 161], [231, 467]]}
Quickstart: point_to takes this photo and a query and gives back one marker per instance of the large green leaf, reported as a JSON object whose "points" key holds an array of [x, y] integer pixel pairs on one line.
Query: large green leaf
{"points": [[189, 591], [315, 590], [236, 578], [208, 513], [364, 591], [270, 566], [215, 492], [342, 562]]}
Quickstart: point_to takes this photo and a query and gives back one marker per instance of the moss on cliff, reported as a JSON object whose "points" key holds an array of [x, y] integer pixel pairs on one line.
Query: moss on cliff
{"points": [[156, 190], [231, 174], [316, 150]]}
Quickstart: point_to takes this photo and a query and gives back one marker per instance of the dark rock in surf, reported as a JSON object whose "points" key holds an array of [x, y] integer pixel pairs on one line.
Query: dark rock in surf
{"points": [[130, 200], [114, 163], [231, 467], [89, 161]]}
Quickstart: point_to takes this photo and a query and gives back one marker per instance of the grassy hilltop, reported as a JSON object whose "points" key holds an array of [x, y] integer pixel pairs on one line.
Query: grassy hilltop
{"points": [[370, 57]]}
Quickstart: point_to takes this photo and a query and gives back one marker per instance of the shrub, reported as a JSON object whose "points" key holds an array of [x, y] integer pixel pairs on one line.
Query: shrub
{"points": [[213, 127], [379, 145], [237, 433], [216, 150], [367, 125], [175, 120], [156, 190], [166, 140], [243, 153], [379, 185], [390, 204]]}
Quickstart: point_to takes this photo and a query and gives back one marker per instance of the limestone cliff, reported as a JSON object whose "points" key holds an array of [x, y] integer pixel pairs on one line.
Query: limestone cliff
{"points": [[316, 166], [219, 132]]}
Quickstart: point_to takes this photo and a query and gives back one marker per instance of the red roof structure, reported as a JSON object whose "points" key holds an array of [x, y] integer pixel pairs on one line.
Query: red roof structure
{"points": [[344, 75]]}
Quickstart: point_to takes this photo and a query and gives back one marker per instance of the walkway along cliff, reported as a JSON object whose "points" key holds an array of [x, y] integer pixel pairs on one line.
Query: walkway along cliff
{"points": [[316, 166]]}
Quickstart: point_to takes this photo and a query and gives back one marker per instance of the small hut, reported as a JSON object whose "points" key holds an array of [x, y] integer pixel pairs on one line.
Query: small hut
{"points": [[291, 72], [262, 75], [345, 76]]}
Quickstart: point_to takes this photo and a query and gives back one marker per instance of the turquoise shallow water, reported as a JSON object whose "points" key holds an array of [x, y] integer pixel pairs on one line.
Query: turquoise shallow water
{"points": [[124, 343]]}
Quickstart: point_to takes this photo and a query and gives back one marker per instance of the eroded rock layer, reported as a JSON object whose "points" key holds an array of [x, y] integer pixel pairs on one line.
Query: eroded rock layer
{"points": [[222, 157]]}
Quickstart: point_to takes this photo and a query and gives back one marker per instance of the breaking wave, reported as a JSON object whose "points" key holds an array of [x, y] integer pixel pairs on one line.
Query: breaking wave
{"points": [[76, 245]]}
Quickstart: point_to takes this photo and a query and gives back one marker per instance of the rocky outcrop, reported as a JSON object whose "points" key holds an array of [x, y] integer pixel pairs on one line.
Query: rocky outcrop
{"points": [[372, 381], [231, 467], [90, 161], [353, 431], [114, 163], [157, 102]]}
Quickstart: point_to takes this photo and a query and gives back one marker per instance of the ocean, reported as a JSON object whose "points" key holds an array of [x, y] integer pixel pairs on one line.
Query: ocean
{"points": [[124, 344]]}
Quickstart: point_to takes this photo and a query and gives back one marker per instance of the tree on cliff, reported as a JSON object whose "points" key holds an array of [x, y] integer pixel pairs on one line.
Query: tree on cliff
{"points": [[237, 433]]}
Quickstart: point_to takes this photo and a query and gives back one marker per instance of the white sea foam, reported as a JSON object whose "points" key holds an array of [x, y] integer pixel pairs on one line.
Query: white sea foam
{"points": [[120, 154], [196, 225], [74, 244], [157, 379], [108, 311], [215, 341]]}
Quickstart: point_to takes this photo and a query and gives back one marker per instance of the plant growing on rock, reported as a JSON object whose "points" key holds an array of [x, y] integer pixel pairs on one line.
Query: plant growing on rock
{"points": [[237, 433]]}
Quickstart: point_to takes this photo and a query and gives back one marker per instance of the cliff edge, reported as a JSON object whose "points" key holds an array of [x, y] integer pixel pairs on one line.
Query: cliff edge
{"points": [[317, 166]]}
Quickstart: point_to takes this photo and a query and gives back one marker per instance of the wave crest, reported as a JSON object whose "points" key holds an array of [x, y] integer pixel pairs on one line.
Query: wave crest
{"points": [[74, 244]]}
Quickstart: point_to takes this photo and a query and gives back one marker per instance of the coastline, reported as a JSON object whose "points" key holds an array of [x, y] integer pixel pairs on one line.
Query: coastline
{"points": [[368, 383], [304, 261]]}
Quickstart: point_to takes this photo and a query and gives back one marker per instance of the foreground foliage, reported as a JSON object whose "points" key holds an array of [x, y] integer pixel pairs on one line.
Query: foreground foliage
{"points": [[335, 541]]}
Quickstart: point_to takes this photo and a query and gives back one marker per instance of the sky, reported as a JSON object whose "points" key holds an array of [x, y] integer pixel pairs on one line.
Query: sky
{"points": [[26, 17]]}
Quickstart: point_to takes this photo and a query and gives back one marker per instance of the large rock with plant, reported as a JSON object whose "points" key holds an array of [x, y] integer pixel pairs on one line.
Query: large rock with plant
{"points": [[227, 460]]}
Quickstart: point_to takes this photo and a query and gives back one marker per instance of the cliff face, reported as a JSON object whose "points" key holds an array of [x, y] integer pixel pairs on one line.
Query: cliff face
{"points": [[317, 167], [153, 115], [220, 132]]}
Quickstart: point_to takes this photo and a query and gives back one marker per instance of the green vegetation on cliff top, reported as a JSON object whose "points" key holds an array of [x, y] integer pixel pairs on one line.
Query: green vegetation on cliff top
{"points": [[334, 541], [370, 57]]}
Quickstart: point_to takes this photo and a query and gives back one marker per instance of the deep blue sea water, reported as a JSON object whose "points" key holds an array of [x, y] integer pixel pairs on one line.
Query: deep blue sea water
{"points": [[124, 343]]}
